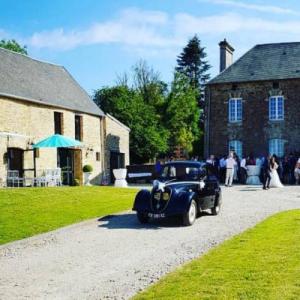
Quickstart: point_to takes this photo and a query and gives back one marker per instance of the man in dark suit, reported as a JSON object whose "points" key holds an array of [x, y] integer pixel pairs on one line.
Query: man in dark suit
{"points": [[266, 172]]}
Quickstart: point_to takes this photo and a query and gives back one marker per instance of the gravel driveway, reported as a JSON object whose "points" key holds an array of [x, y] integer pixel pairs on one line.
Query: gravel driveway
{"points": [[115, 257]]}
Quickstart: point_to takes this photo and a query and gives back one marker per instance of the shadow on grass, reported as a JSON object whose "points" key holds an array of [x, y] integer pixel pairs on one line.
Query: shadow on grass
{"points": [[130, 221]]}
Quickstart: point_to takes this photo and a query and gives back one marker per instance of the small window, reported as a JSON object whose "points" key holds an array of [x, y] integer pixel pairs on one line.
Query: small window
{"points": [[276, 108], [235, 110], [78, 128], [97, 156], [237, 147], [276, 146], [58, 122]]}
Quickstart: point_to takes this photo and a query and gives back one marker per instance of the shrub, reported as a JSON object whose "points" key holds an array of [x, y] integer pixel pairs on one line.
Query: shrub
{"points": [[87, 169]]}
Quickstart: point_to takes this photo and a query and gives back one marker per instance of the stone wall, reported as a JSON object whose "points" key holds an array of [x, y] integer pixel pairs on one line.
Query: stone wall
{"points": [[255, 130], [33, 122], [117, 140]]}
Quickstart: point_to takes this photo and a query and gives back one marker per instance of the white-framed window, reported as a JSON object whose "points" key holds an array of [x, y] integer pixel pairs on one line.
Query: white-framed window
{"points": [[237, 147], [276, 108], [235, 110], [276, 146]]}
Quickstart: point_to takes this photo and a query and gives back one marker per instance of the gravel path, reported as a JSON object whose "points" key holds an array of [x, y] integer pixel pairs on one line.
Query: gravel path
{"points": [[116, 257]]}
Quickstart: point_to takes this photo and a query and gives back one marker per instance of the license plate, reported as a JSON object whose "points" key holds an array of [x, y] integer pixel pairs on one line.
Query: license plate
{"points": [[156, 216]]}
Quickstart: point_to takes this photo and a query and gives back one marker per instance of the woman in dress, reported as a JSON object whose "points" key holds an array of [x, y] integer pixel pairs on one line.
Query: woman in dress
{"points": [[275, 180]]}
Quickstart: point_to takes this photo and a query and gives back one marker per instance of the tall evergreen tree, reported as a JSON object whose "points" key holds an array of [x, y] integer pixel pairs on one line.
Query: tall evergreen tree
{"points": [[191, 62]]}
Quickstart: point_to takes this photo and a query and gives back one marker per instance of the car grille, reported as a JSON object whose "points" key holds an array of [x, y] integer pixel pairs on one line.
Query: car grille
{"points": [[159, 199]]}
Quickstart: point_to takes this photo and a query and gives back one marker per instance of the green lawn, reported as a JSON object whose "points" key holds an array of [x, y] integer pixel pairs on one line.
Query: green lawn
{"points": [[261, 263], [28, 211]]}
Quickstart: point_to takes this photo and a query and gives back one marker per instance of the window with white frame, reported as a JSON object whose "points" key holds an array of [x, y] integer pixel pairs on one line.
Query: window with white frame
{"points": [[276, 146], [276, 108], [237, 147], [235, 109]]}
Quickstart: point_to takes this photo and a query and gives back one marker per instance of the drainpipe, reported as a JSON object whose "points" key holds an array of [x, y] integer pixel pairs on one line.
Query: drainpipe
{"points": [[207, 122]]}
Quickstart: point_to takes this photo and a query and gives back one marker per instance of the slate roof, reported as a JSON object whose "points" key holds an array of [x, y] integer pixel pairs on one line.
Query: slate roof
{"points": [[264, 62], [28, 79]]}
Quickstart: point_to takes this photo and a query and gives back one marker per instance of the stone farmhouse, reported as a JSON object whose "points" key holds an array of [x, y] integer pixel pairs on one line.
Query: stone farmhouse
{"points": [[253, 105], [39, 99]]}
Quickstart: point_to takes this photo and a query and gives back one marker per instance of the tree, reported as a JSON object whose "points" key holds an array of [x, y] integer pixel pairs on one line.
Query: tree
{"points": [[182, 114], [148, 137], [191, 62], [13, 46], [148, 83]]}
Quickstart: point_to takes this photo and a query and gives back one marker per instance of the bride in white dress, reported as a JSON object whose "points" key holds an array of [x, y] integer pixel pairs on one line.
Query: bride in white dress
{"points": [[275, 180]]}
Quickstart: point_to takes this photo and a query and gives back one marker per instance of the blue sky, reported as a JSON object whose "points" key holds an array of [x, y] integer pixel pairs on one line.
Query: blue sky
{"points": [[96, 39]]}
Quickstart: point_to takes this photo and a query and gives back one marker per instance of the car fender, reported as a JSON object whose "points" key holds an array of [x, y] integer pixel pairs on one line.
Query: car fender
{"points": [[180, 203], [142, 201], [218, 197]]}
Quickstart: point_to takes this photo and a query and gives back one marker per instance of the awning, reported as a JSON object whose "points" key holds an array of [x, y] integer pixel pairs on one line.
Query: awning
{"points": [[57, 141]]}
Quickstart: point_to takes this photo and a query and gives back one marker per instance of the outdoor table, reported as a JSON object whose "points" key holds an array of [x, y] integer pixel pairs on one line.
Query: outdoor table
{"points": [[253, 173]]}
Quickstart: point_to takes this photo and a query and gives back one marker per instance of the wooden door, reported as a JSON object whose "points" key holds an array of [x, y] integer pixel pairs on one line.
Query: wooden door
{"points": [[78, 165], [65, 161], [16, 160], [117, 161]]}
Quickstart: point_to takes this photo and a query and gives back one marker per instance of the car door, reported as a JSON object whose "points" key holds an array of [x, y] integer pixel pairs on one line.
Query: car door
{"points": [[209, 192]]}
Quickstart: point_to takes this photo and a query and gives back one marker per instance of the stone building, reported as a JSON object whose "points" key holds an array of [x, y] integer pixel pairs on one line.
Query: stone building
{"points": [[38, 99], [117, 143], [253, 105]]}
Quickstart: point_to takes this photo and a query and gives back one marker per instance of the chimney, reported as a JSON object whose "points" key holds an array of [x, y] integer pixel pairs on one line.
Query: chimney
{"points": [[226, 55]]}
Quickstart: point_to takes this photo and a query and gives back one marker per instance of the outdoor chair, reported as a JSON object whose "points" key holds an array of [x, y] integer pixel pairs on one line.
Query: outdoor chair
{"points": [[13, 179], [50, 177]]}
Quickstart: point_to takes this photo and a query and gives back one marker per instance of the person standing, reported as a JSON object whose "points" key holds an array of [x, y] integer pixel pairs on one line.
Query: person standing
{"points": [[158, 168], [222, 166], [275, 180], [297, 172], [213, 164], [243, 170], [266, 172], [230, 164]]}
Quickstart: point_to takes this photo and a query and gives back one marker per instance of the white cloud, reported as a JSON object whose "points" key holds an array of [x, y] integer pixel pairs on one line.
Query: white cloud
{"points": [[233, 22], [156, 31], [256, 7], [132, 27]]}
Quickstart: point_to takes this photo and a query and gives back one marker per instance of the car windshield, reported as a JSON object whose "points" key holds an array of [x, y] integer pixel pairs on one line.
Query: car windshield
{"points": [[181, 172]]}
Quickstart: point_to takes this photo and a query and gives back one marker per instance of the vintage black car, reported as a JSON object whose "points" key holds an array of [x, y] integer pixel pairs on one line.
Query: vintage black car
{"points": [[185, 189]]}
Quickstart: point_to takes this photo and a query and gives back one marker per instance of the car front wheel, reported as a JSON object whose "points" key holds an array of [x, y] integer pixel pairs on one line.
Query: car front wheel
{"points": [[143, 218], [190, 216]]}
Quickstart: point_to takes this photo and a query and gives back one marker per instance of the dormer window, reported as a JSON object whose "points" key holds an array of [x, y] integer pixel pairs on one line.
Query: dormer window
{"points": [[276, 108], [235, 110]]}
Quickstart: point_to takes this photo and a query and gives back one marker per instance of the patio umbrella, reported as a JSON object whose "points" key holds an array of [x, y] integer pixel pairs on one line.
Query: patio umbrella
{"points": [[57, 141]]}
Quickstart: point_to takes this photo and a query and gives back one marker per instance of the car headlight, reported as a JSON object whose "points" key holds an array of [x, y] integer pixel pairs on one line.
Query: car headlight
{"points": [[166, 196]]}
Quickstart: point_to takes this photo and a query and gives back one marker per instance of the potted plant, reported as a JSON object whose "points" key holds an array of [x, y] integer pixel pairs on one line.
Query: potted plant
{"points": [[87, 170]]}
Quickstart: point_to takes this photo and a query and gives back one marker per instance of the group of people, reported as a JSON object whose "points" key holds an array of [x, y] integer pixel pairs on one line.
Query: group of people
{"points": [[274, 171], [231, 169]]}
